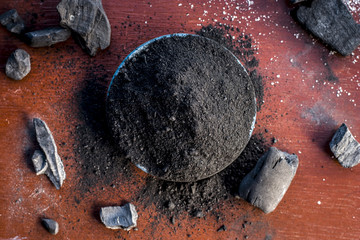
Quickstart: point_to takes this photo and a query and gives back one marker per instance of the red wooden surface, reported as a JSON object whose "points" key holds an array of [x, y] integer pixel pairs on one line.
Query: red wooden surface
{"points": [[302, 110]]}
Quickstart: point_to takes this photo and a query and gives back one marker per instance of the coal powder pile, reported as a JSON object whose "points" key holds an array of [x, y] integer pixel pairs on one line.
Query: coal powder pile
{"points": [[101, 164], [182, 107]]}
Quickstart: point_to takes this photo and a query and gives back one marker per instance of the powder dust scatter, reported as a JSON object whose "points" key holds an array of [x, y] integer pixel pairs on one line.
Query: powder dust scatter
{"points": [[353, 5], [100, 162], [247, 14]]}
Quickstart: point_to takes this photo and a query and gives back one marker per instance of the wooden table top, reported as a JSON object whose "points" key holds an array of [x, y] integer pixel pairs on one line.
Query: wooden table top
{"points": [[302, 109]]}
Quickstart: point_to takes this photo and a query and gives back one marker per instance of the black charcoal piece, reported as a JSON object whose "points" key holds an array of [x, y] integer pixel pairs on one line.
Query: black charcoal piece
{"points": [[51, 225], [124, 217], [88, 20], [345, 147], [39, 162], [182, 108], [267, 183], [172, 220], [331, 21], [222, 228], [12, 21], [55, 170], [47, 37], [18, 65]]}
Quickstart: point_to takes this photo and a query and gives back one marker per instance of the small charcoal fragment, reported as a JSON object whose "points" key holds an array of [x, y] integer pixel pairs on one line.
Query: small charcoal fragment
{"points": [[51, 225], [39, 162], [18, 65], [124, 217], [47, 37], [12, 21], [345, 147], [267, 183], [55, 171], [331, 21], [198, 214], [172, 220], [88, 20], [222, 228], [170, 205]]}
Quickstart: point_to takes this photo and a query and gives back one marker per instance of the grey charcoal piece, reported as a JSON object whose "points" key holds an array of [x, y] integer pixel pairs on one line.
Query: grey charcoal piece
{"points": [[47, 37], [267, 183], [18, 65], [12, 21], [198, 214], [124, 217], [345, 147], [51, 225], [88, 20], [331, 21], [39, 162], [171, 205], [55, 171]]}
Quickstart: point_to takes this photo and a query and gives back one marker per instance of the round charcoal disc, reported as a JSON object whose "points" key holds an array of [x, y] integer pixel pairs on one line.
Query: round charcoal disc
{"points": [[182, 107]]}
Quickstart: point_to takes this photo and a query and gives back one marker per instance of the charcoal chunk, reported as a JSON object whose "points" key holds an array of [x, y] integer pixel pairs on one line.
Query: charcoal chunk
{"points": [[124, 217], [47, 37], [331, 21], [51, 225], [55, 170], [170, 205], [345, 148], [88, 20], [222, 228], [267, 183], [18, 65], [198, 214], [12, 21]]}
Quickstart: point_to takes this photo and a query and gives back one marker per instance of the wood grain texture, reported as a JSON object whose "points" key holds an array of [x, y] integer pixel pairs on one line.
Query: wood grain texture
{"points": [[302, 110]]}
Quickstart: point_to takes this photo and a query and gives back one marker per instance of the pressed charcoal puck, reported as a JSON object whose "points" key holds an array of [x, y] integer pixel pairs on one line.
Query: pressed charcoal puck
{"points": [[182, 107]]}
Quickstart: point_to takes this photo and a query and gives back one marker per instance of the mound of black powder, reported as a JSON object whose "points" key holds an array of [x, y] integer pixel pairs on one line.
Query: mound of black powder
{"points": [[100, 163], [182, 108]]}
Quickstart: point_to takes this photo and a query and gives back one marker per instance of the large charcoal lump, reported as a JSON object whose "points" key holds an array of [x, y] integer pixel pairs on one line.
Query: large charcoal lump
{"points": [[88, 20], [267, 183], [331, 21]]}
